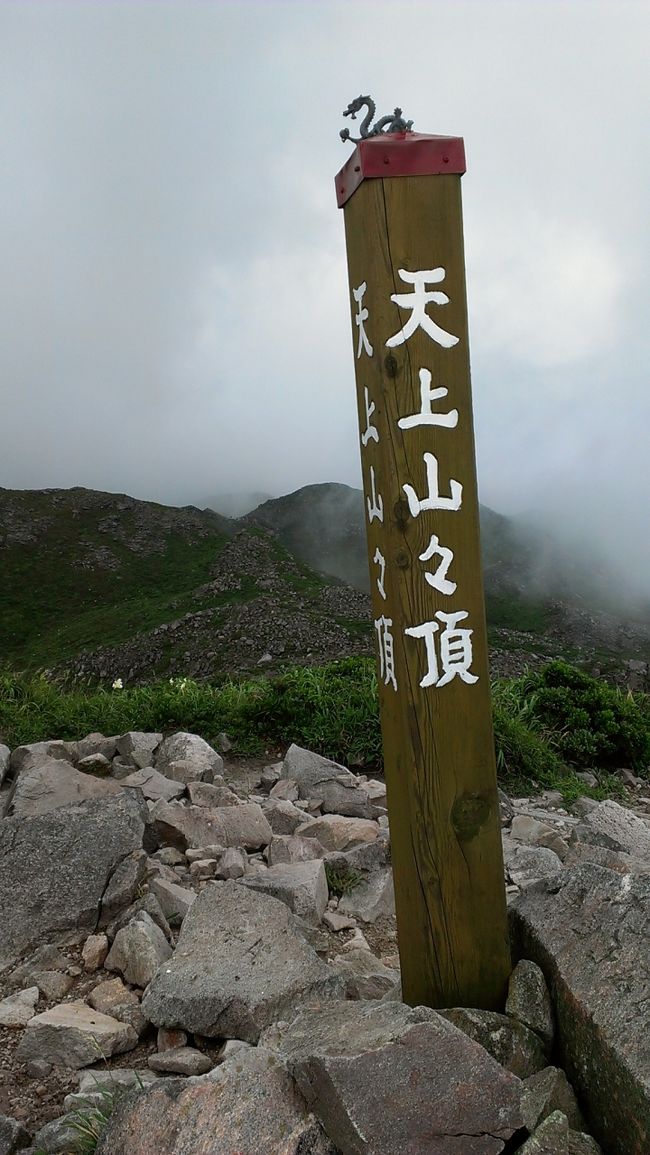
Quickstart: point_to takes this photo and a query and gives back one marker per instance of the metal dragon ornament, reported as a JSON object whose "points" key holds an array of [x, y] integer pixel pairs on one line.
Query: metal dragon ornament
{"points": [[394, 122]]}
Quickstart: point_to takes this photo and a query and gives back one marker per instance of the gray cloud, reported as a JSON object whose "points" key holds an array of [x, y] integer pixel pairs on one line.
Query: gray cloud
{"points": [[174, 317]]}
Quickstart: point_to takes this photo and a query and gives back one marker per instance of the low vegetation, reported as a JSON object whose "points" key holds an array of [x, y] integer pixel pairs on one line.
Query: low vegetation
{"points": [[548, 725], [341, 880]]}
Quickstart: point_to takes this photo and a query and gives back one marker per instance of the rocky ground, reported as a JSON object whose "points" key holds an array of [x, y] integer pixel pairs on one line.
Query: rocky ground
{"points": [[208, 948]]}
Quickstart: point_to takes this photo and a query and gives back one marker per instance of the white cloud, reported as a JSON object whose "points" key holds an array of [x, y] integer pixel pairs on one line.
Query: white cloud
{"points": [[546, 292], [174, 312]]}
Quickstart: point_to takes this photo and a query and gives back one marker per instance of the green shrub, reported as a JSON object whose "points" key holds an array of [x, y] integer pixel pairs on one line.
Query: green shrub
{"points": [[594, 724]]}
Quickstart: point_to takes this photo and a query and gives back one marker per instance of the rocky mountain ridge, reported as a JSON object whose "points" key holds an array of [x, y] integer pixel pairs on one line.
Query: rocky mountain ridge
{"points": [[102, 586]]}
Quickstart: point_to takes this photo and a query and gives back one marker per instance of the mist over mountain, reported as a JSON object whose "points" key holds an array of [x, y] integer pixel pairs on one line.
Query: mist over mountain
{"points": [[235, 504], [325, 526]]}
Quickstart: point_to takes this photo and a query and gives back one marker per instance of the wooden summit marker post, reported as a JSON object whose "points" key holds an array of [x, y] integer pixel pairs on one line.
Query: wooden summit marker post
{"points": [[401, 197]]}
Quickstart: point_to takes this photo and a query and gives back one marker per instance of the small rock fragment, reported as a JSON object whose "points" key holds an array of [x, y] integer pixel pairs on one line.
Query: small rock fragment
{"points": [[286, 789], [207, 794], [365, 976], [371, 899], [174, 900], [94, 952], [52, 984], [509, 1042], [203, 868], [550, 1138], [153, 785], [338, 922], [138, 950], [336, 832], [180, 1061], [529, 1001], [110, 995], [16, 1010], [13, 1136], [232, 864], [302, 885], [547, 1091]]}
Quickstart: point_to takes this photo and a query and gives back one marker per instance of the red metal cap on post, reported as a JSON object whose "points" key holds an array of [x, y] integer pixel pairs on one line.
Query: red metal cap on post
{"points": [[399, 154]]}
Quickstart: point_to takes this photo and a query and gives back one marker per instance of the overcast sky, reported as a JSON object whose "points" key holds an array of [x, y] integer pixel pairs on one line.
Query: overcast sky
{"points": [[174, 318]]}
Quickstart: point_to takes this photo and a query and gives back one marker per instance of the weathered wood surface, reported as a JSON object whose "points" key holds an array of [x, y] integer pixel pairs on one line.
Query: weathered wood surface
{"points": [[438, 740]]}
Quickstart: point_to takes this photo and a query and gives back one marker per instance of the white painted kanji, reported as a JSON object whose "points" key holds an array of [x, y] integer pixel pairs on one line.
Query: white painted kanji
{"points": [[439, 579], [434, 500], [455, 645], [380, 560], [375, 502], [371, 431], [426, 416], [385, 642], [362, 315], [417, 302]]}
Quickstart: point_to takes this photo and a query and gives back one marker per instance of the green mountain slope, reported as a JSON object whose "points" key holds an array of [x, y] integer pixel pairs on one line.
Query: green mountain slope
{"points": [[541, 597], [104, 585], [80, 568]]}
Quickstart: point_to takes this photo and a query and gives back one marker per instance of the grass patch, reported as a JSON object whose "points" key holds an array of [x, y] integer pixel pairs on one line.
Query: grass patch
{"points": [[341, 880], [333, 710], [70, 607], [510, 612]]}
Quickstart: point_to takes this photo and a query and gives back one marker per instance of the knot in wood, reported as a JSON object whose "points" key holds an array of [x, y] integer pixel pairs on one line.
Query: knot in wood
{"points": [[468, 814]]}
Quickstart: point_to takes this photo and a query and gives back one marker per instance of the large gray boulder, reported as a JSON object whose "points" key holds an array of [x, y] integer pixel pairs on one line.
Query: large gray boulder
{"points": [[337, 832], [201, 761], [588, 930], [282, 817], [302, 885], [74, 1035], [339, 791], [386, 1078], [248, 1104], [153, 785], [57, 870], [50, 783], [174, 824], [138, 747], [240, 964], [35, 752], [615, 828]]}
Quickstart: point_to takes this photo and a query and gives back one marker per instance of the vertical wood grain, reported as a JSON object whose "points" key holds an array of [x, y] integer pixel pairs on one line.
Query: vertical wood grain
{"points": [[438, 740]]}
